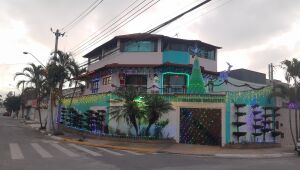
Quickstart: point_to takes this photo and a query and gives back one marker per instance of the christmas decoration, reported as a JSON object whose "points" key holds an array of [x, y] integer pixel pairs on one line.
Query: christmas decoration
{"points": [[196, 85], [200, 126], [238, 123]]}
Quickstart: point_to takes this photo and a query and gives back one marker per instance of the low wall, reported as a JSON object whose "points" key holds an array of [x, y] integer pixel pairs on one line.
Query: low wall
{"points": [[116, 138]]}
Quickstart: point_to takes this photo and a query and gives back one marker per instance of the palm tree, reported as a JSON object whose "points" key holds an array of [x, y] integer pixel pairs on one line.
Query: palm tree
{"points": [[75, 73], [34, 77], [66, 64], [130, 110], [155, 106], [60, 68]]}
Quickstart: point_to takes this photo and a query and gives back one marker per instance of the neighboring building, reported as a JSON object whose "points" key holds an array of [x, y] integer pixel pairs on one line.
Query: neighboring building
{"points": [[69, 92]]}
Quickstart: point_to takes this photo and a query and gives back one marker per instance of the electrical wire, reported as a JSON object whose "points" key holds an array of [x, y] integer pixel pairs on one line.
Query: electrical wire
{"points": [[92, 36], [210, 10], [82, 15], [197, 16], [173, 13], [120, 26], [110, 28], [177, 17]]}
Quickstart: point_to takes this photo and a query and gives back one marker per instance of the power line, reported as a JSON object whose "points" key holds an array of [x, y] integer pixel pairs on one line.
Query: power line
{"points": [[112, 26], [173, 13], [79, 15], [82, 15], [120, 26], [177, 17], [116, 29], [93, 35], [201, 14]]}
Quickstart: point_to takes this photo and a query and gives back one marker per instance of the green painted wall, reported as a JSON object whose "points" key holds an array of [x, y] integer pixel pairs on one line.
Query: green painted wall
{"points": [[250, 97], [177, 57]]}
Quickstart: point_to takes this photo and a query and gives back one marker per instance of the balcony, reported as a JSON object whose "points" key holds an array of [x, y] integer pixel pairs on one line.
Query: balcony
{"points": [[140, 88], [174, 89]]}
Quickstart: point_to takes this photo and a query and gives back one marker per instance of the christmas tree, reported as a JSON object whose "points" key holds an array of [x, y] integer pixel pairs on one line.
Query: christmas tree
{"points": [[196, 85]]}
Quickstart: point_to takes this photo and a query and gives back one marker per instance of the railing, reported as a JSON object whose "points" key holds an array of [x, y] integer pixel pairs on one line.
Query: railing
{"points": [[140, 88], [174, 89]]}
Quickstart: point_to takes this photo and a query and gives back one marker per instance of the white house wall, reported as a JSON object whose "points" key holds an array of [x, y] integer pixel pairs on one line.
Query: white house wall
{"points": [[172, 130], [176, 117], [128, 58], [229, 87], [209, 65]]}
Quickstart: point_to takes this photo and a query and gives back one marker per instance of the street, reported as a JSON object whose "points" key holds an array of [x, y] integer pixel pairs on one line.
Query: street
{"points": [[26, 149]]}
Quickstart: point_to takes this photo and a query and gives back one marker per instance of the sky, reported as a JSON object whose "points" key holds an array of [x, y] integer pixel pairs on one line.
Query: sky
{"points": [[252, 33]]}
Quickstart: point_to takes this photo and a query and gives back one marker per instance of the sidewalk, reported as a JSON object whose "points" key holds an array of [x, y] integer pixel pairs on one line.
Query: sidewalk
{"points": [[174, 148], [186, 149]]}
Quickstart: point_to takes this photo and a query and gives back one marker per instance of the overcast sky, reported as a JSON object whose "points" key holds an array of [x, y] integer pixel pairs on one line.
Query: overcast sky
{"points": [[252, 33]]}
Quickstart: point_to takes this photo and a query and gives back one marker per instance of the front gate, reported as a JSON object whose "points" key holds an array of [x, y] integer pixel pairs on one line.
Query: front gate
{"points": [[200, 126]]}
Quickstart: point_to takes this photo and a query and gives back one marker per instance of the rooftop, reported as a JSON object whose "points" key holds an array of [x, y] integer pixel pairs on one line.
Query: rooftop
{"points": [[141, 36]]}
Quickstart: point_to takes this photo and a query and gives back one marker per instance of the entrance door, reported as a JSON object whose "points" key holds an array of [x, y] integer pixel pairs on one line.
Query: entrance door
{"points": [[200, 126]]}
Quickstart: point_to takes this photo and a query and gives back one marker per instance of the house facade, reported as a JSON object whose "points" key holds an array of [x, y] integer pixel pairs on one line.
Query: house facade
{"points": [[222, 113], [154, 63]]}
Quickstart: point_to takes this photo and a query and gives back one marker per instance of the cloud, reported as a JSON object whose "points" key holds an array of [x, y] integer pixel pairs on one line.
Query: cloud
{"points": [[252, 33], [246, 23]]}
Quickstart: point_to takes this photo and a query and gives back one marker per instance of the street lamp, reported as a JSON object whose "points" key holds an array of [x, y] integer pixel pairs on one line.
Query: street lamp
{"points": [[35, 58]]}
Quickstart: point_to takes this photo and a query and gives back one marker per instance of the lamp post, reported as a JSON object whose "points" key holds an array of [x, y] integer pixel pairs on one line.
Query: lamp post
{"points": [[34, 58], [25, 52]]}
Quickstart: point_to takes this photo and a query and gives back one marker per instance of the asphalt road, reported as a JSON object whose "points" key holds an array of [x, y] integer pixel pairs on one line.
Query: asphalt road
{"points": [[26, 149]]}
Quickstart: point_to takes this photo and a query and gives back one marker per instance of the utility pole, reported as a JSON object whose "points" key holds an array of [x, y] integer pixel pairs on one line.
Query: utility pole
{"points": [[271, 71], [57, 34]]}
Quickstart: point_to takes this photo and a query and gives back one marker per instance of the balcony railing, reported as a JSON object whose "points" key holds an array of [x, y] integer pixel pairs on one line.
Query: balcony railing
{"points": [[174, 89], [141, 88]]}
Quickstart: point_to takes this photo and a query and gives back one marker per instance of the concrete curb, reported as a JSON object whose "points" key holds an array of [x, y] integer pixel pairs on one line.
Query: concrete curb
{"points": [[134, 149], [218, 155], [255, 156], [241, 156], [143, 150]]}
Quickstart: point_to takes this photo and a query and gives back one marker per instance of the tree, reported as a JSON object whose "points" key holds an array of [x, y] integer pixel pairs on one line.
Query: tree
{"points": [[12, 103], [155, 106], [1, 101], [76, 72], [35, 77], [67, 66], [130, 110], [60, 69]]}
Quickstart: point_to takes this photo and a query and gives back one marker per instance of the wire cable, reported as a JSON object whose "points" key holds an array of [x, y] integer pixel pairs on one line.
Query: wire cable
{"points": [[112, 26], [120, 26], [190, 21], [82, 15], [93, 35], [177, 17]]}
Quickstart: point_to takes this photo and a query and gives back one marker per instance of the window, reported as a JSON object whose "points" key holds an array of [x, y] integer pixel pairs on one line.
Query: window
{"points": [[139, 46], [174, 83], [178, 46], [211, 55], [174, 80], [95, 86], [109, 48], [140, 80], [106, 80], [207, 54]]}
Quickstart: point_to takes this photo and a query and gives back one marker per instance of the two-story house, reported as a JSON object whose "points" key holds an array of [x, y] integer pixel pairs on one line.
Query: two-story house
{"points": [[154, 63]]}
